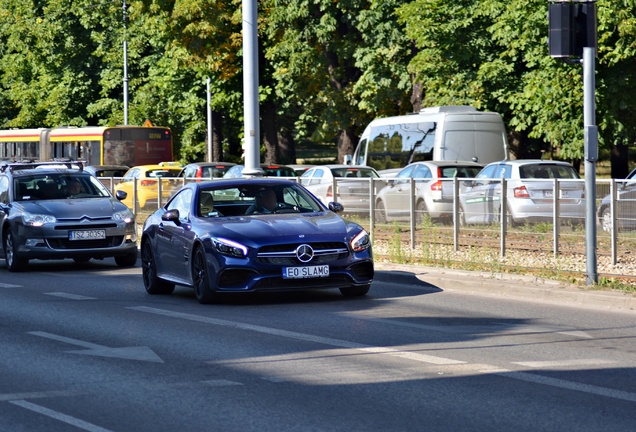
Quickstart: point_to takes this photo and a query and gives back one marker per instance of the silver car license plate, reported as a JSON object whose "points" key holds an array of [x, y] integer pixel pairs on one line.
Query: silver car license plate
{"points": [[305, 272], [87, 235]]}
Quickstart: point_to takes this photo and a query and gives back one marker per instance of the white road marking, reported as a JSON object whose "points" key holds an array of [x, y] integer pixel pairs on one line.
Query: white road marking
{"points": [[38, 395], [6, 285], [570, 385], [222, 383], [564, 363], [442, 362], [70, 296], [59, 416], [128, 353], [302, 336]]}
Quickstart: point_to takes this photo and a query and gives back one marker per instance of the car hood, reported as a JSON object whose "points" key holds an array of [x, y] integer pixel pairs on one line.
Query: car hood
{"points": [[266, 229], [74, 208]]}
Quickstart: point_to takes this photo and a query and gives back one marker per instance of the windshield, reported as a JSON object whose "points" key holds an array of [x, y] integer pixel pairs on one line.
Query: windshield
{"points": [[58, 186]]}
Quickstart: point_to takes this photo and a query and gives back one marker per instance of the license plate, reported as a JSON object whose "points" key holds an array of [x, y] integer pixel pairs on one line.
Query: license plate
{"points": [[305, 272], [87, 235]]}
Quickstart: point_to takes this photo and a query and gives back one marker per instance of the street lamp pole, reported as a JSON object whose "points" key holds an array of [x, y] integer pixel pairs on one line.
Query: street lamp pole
{"points": [[125, 10]]}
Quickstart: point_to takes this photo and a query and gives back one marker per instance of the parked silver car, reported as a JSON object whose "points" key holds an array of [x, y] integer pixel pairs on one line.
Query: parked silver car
{"points": [[433, 191], [625, 205], [530, 186], [352, 183]]}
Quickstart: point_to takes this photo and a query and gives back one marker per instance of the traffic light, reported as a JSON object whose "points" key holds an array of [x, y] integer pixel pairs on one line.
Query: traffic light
{"points": [[571, 27]]}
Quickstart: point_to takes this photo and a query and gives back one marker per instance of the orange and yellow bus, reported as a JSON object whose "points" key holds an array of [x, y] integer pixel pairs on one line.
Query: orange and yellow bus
{"points": [[96, 145]]}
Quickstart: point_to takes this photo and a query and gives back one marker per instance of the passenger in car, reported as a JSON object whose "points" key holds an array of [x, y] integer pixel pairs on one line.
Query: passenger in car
{"points": [[206, 206]]}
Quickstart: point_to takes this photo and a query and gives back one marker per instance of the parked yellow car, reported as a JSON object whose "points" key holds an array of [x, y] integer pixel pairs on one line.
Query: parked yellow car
{"points": [[148, 177]]}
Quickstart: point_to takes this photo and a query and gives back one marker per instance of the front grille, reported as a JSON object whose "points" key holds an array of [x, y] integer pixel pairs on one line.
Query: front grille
{"points": [[293, 246], [108, 242], [292, 260]]}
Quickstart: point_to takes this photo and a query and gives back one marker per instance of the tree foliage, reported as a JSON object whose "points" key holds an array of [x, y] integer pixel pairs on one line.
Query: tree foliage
{"points": [[327, 68]]}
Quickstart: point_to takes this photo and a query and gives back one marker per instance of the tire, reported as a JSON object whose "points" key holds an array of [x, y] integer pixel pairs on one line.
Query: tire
{"points": [[355, 291], [201, 278], [152, 283], [461, 215], [606, 219], [420, 212], [510, 221], [381, 212], [13, 260], [128, 260]]}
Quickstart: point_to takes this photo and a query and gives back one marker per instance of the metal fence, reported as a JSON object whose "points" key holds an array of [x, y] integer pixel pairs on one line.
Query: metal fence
{"points": [[424, 212]]}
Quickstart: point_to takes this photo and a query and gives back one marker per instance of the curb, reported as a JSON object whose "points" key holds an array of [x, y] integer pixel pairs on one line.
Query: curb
{"points": [[520, 287]]}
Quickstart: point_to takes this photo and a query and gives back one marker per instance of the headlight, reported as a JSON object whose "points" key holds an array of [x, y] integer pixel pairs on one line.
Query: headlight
{"points": [[229, 247], [37, 219], [124, 215], [361, 241]]}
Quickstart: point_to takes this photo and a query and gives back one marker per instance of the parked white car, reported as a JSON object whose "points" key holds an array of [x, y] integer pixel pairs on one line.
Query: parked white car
{"points": [[352, 184], [433, 191], [530, 193]]}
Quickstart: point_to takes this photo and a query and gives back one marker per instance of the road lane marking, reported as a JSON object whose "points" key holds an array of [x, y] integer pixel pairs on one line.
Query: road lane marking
{"points": [[70, 296], [6, 285], [128, 353], [444, 362], [570, 385], [302, 336], [38, 395], [59, 416], [565, 363]]}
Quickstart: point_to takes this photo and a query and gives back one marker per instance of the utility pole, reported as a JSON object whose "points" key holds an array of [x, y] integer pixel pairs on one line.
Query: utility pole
{"points": [[572, 38], [250, 90], [125, 10]]}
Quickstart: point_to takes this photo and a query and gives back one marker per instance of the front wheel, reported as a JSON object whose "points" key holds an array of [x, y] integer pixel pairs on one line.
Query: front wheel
{"points": [[606, 220], [13, 260], [381, 212], [127, 260], [355, 291], [201, 278], [420, 212], [152, 282]]}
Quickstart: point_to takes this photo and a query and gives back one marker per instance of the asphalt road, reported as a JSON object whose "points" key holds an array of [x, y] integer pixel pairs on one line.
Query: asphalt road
{"points": [[85, 348]]}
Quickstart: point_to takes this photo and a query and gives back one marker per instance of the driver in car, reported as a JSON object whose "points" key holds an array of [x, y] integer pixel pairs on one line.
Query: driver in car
{"points": [[265, 202]]}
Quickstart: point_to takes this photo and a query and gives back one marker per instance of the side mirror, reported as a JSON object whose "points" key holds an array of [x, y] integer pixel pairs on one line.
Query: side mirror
{"points": [[336, 207], [171, 216], [468, 183], [121, 195]]}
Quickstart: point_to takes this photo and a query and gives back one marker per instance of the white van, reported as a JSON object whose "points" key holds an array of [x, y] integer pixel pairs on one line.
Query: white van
{"points": [[444, 133]]}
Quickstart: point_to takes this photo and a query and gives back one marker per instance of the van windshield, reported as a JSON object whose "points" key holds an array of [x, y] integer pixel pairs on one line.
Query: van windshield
{"points": [[397, 145]]}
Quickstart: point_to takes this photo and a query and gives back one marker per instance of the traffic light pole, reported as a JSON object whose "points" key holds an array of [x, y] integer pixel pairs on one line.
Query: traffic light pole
{"points": [[591, 157]]}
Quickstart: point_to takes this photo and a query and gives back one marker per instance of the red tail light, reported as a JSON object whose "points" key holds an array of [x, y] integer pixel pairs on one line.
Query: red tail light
{"points": [[437, 186], [148, 182], [521, 192], [330, 192]]}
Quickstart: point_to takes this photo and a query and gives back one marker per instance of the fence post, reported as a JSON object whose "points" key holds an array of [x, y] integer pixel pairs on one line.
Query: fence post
{"points": [[455, 214], [614, 229], [372, 207], [555, 216], [503, 212], [412, 209]]}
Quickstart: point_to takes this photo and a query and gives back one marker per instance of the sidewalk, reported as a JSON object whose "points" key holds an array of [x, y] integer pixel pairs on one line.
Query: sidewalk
{"points": [[506, 285]]}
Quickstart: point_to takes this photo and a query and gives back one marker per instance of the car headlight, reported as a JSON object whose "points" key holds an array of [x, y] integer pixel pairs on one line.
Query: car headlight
{"points": [[124, 215], [37, 219], [361, 241], [229, 247]]}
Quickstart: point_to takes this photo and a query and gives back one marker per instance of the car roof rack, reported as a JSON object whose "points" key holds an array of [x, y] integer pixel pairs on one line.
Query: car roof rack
{"points": [[53, 163]]}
